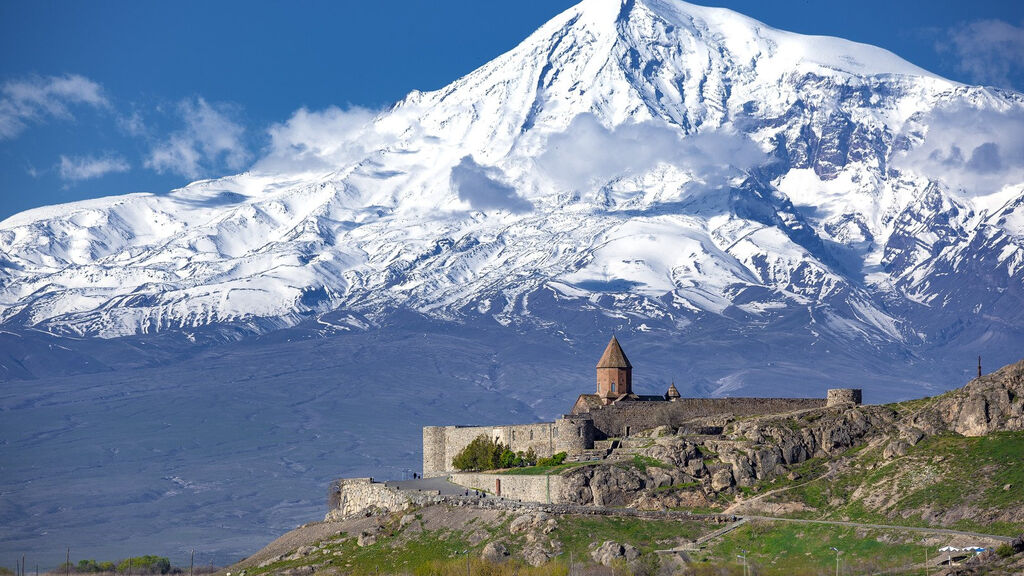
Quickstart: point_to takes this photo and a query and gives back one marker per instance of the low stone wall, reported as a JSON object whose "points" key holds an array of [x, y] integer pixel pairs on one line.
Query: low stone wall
{"points": [[355, 496], [544, 489]]}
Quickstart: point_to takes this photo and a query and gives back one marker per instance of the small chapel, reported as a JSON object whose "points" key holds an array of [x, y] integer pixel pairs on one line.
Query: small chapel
{"points": [[615, 382]]}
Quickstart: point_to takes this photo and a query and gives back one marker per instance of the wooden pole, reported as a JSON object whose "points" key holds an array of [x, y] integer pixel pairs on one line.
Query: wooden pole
{"points": [[191, 562], [67, 563]]}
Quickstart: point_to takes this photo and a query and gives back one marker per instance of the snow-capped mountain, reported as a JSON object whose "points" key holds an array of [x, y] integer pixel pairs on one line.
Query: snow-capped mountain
{"points": [[648, 162]]}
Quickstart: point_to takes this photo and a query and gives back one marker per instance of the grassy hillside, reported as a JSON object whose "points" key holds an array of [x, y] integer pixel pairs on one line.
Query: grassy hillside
{"points": [[950, 481]]}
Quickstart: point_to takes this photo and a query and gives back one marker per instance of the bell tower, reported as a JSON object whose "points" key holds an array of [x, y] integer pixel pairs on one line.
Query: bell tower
{"points": [[614, 372]]}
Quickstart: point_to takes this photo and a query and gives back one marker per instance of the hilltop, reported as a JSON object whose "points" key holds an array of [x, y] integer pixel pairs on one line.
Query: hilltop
{"points": [[886, 484], [763, 213]]}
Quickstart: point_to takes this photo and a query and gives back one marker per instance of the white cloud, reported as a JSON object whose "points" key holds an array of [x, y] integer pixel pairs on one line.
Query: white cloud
{"points": [[132, 124], [988, 51], [483, 189], [972, 149], [210, 138], [317, 140], [38, 98], [588, 154], [76, 168]]}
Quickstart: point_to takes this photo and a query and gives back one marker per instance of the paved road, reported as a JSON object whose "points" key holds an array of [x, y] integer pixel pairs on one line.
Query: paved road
{"points": [[882, 527], [440, 483]]}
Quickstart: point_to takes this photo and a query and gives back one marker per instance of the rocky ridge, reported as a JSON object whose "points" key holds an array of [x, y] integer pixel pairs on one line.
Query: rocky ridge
{"points": [[673, 469]]}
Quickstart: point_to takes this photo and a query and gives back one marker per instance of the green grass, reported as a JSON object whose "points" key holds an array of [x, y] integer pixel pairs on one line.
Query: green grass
{"points": [[578, 534], [796, 549], [384, 556], [542, 470], [643, 462]]}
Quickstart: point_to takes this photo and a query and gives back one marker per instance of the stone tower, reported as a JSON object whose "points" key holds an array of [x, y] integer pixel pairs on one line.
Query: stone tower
{"points": [[614, 372]]}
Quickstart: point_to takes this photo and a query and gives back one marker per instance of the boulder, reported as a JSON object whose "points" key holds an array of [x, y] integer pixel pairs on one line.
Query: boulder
{"points": [[721, 479], [895, 449], [534, 555], [609, 552], [494, 552]]}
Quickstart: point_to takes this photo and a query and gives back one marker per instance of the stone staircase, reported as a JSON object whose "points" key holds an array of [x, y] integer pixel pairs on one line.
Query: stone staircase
{"points": [[626, 448], [699, 542], [600, 451]]}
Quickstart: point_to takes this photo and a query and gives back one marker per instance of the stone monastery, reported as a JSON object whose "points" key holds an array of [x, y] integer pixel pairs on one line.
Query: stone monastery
{"points": [[613, 411]]}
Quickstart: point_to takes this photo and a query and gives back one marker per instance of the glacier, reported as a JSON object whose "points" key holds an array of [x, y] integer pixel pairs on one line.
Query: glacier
{"points": [[754, 212]]}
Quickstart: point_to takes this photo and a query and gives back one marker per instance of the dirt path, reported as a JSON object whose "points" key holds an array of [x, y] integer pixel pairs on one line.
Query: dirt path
{"points": [[737, 506]]}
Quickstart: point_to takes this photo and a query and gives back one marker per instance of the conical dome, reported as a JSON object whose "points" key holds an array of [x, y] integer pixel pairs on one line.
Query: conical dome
{"points": [[613, 356], [672, 393]]}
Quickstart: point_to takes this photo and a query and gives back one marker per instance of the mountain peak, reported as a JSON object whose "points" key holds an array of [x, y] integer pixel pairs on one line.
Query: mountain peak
{"points": [[648, 163]]}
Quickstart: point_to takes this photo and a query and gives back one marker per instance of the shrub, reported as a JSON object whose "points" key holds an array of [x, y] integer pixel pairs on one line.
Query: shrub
{"points": [[555, 460], [145, 565], [91, 566], [1004, 550]]}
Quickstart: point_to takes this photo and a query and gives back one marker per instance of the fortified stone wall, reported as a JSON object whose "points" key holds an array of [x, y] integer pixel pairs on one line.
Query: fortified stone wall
{"points": [[631, 417], [544, 489], [442, 443], [575, 433]]}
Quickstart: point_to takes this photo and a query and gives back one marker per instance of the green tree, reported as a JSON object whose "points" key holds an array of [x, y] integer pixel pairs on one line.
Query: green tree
{"points": [[482, 453]]}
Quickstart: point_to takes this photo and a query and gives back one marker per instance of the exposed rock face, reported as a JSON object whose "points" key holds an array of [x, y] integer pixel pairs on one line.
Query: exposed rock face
{"points": [[993, 402], [721, 479], [751, 450]]}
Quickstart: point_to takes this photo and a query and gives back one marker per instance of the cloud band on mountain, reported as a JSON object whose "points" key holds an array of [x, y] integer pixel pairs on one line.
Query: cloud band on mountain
{"points": [[978, 150], [482, 188], [588, 154]]}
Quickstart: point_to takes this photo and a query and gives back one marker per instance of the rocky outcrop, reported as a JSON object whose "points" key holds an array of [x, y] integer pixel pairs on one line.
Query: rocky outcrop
{"points": [[986, 404]]}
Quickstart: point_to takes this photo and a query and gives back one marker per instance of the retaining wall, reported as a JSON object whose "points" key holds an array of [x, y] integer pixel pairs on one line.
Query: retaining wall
{"points": [[543, 489]]}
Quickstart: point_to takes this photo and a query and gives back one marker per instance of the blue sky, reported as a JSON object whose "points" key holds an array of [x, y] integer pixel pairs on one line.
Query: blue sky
{"points": [[102, 98]]}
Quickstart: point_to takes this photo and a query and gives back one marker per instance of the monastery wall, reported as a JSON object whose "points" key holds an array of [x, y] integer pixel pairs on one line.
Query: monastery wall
{"points": [[631, 417], [442, 443]]}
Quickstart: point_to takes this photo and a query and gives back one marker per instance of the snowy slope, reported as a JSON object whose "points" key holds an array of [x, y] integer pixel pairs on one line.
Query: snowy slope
{"points": [[651, 162]]}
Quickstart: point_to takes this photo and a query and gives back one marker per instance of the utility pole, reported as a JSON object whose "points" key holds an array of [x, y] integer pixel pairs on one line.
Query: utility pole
{"points": [[979, 366], [67, 563], [191, 562]]}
